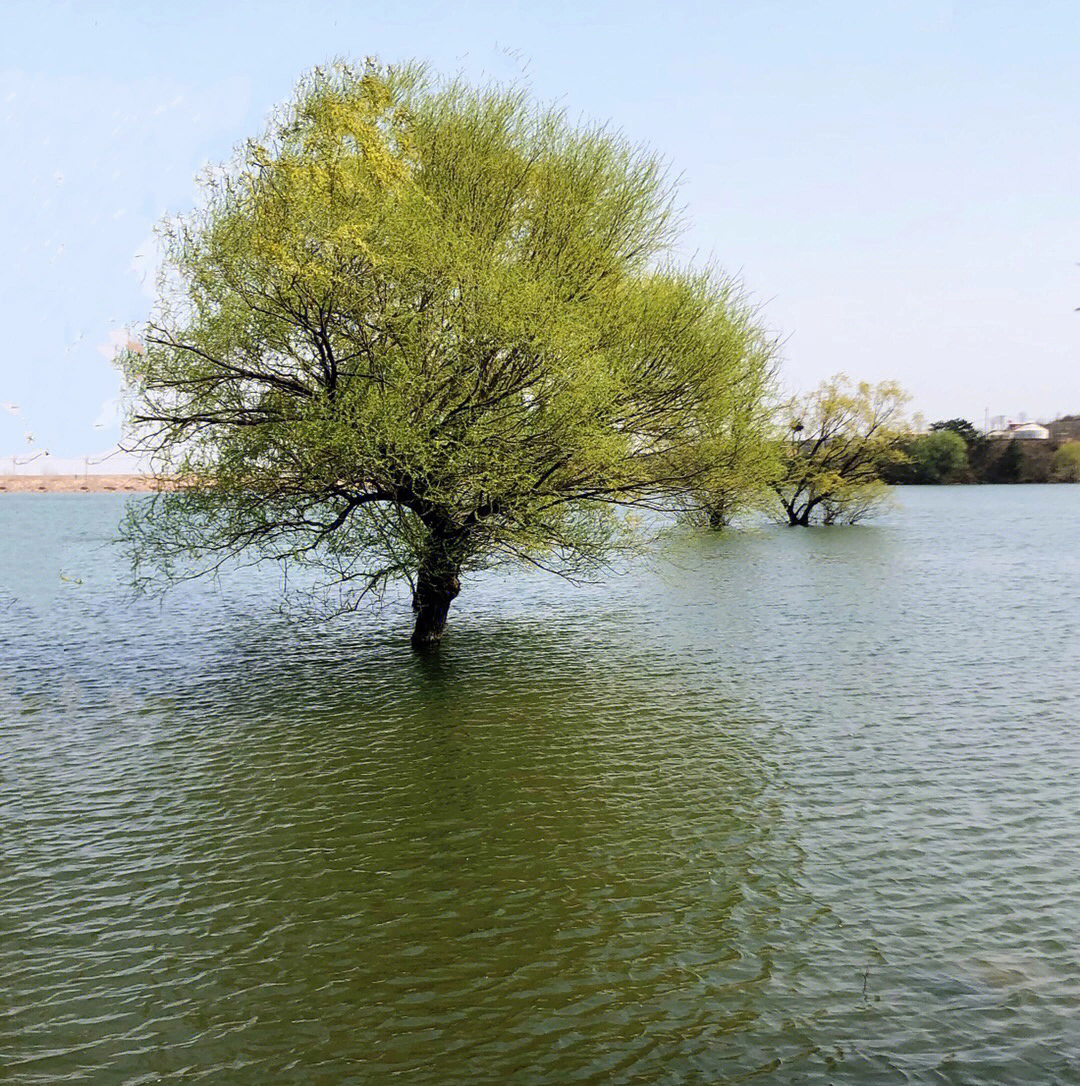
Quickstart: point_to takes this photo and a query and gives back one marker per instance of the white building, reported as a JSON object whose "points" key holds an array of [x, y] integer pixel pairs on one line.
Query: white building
{"points": [[1023, 431]]}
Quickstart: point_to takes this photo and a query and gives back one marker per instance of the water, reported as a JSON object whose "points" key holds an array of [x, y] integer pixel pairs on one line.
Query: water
{"points": [[784, 806]]}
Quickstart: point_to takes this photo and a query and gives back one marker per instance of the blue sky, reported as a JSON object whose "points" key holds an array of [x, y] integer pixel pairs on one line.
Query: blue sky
{"points": [[895, 184]]}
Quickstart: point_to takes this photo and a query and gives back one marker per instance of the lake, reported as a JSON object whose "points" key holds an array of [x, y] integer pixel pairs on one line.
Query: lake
{"points": [[781, 806]]}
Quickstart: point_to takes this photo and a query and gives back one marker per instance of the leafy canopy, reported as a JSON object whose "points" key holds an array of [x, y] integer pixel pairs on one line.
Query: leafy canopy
{"points": [[961, 427], [418, 328], [1065, 466], [741, 458], [839, 438], [938, 456]]}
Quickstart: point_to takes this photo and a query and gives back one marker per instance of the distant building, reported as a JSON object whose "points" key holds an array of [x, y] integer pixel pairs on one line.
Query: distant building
{"points": [[1067, 428], [1029, 431], [1022, 431]]}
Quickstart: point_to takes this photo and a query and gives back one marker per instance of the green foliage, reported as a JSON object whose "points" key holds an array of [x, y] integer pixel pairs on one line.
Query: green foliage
{"points": [[938, 456], [740, 456], [855, 503], [978, 445], [1065, 467], [838, 440], [420, 328], [961, 427], [1009, 465]]}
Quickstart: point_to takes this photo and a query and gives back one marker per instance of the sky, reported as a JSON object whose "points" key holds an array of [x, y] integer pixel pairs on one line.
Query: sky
{"points": [[895, 185]]}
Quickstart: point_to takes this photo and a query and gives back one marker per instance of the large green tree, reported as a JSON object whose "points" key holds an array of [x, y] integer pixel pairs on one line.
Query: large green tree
{"points": [[419, 328]]}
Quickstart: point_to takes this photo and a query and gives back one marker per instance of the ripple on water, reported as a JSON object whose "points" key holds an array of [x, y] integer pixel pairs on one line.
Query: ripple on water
{"points": [[793, 807]]}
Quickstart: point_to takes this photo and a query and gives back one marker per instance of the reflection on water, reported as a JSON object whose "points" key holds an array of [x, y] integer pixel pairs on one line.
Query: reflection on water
{"points": [[787, 806]]}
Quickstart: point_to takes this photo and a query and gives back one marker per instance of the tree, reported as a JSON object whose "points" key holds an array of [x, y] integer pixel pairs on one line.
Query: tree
{"points": [[737, 481], [741, 457], [1009, 464], [978, 444], [961, 427], [418, 329], [938, 456], [838, 440], [1065, 466], [855, 504]]}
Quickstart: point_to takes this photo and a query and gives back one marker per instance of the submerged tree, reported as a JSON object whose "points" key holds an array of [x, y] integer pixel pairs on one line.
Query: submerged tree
{"points": [[740, 456], [839, 438], [418, 329]]}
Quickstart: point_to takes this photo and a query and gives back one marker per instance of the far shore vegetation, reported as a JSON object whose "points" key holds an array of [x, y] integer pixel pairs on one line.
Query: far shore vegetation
{"points": [[954, 451]]}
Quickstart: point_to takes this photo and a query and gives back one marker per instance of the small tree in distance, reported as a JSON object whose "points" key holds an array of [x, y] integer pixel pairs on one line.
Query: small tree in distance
{"points": [[977, 443], [1065, 467], [419, 329], [838, 440], [961, 427], [938, 456], [1009, 465]]}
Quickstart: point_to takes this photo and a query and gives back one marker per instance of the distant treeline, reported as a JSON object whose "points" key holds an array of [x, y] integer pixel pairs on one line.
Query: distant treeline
{"points": [[955, 452]]}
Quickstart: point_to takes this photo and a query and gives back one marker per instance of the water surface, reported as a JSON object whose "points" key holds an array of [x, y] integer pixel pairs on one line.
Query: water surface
{"points": [[784, 806]]}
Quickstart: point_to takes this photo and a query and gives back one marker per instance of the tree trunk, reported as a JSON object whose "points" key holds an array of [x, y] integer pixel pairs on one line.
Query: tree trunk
{"points": [[435, 591]]}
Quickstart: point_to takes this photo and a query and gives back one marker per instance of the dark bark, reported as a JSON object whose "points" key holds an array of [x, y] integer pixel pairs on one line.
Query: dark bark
{"points": [[431, 602], [799, 517], [437, 584]]}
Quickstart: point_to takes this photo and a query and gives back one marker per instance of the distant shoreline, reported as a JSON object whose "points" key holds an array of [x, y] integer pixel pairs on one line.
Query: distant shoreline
{"points": [[147, 484], [79, 484]]}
